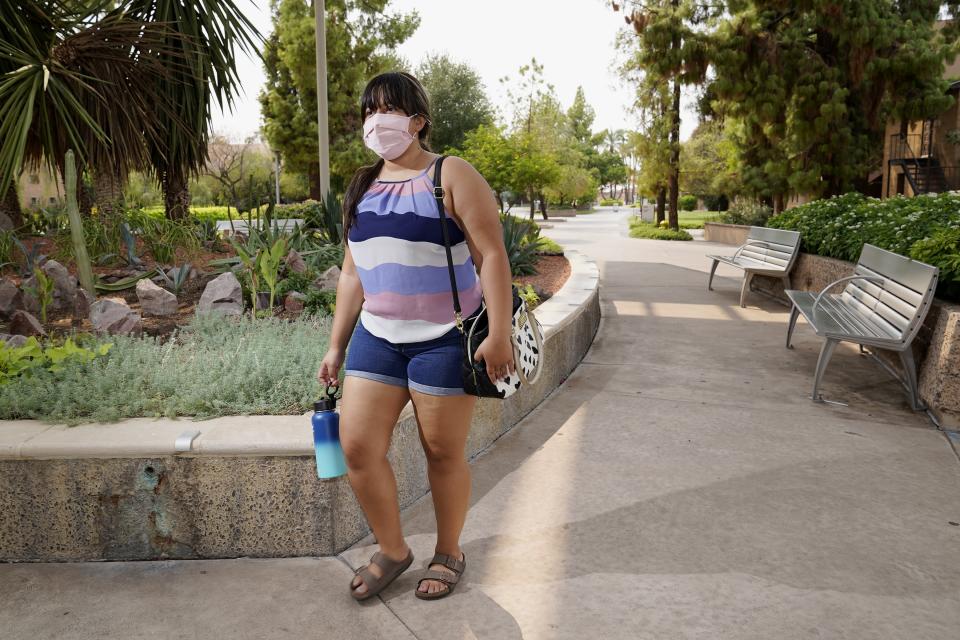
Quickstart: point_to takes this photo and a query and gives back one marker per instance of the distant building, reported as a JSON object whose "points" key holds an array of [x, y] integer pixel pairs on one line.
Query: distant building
{"points": [[924, 156], [39, 188]]}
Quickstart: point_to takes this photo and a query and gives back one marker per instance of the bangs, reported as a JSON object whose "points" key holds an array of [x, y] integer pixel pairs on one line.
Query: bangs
{"points": [[385, 90]]}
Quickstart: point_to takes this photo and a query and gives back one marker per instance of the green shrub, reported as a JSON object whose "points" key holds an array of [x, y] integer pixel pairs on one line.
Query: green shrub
{"points": [[548, 247], [639, 229], [32, 357], [213, 367], [528, 294], [521, 238], [611, 202], [320, 301], [687, 203], [748, 212], [924, 228]]}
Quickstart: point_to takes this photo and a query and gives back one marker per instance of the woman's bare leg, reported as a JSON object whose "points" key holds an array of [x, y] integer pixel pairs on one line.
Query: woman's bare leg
{"points": [[368, 414], [444, 423]]}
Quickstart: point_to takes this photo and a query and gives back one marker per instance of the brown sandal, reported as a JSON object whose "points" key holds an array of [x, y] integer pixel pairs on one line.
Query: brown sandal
{"points": [[375, 584], [449, 579]]}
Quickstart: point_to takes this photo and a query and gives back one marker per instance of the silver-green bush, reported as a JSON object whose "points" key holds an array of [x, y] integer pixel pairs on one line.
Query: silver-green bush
{"points": [[213, 367]]}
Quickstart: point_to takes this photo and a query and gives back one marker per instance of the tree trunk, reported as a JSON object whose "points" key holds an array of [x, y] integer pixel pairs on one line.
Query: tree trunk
{"points": [[674, 177], [499, 201], [543, 207], [778, 203], [85, 197], [532, 205], [108, 188], [313, 176], [10, 205], [661, 205], [176, 196]]}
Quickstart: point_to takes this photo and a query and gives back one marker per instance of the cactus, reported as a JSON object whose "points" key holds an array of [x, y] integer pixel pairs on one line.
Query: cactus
{"points": [[84, 267]]}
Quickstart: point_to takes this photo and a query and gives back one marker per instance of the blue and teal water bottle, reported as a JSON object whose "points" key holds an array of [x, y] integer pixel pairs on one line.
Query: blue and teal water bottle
{"points": [[326, 438]]}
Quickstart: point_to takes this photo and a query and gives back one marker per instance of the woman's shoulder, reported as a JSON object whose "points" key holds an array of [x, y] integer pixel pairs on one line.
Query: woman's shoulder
{"points": [[456, 168]]}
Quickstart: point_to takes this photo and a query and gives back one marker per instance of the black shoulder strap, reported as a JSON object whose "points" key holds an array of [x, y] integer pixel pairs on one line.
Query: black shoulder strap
{"points": [[438, 194]]}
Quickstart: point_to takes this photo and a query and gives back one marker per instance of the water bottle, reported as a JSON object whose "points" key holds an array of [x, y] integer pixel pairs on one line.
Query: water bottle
{"points": [[326, 438]]}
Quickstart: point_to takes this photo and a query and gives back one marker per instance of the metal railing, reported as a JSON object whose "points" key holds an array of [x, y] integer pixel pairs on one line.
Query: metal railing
{"points": [[910, 146]]}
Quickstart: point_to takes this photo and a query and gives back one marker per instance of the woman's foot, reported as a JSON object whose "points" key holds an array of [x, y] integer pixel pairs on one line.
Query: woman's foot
{"points": [[357, 585], [436, 586]]}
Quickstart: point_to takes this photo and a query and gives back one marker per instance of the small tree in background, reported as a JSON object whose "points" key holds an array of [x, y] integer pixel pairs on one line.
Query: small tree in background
{"points": [[458, 102]]}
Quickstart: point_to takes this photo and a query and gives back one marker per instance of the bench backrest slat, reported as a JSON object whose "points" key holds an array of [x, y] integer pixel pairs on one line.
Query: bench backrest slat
{"points": [[898, 305], [775, 247]]}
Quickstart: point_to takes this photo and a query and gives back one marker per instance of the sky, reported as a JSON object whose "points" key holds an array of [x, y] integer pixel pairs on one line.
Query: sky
{"points": [[572, 39]]}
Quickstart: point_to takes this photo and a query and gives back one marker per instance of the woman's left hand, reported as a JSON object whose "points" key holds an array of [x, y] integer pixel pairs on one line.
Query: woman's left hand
{"points": [[497, 354]]}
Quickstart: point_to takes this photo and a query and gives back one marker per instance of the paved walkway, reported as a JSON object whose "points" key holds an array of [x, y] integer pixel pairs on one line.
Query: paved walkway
{"points": [[679, 485]]}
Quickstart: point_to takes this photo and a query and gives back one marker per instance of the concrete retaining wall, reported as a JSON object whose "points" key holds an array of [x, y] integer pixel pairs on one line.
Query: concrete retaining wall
{"points": [[735, 234], [936, 348], [248, 486]]}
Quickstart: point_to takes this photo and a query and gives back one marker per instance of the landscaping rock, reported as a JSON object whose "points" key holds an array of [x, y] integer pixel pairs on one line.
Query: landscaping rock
{"points": [[64, 284], [6, 224], [10, 298], [12, 341], [113, 316], [25, 324], [328, 279], [295, 262], [154, 300], [82, 303], [294, 301], [222, 295]]}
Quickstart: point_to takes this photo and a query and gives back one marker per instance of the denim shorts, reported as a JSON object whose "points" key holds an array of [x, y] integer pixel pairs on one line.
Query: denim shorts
{"points": [[432, 367]]}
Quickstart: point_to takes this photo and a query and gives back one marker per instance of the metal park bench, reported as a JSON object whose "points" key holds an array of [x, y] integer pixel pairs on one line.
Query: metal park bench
{"points": [[882, 305], [767, 252]]}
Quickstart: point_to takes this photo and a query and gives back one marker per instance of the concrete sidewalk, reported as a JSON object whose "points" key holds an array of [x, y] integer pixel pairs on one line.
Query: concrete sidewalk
{"points": [[680, 484]]}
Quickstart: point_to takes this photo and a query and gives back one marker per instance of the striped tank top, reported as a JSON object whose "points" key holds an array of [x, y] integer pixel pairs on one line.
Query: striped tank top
{"points": [[397, 246]]}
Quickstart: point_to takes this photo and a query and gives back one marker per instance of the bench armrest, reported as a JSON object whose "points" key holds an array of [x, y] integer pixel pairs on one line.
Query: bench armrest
{"points": [[744, 246], [819, 298]]}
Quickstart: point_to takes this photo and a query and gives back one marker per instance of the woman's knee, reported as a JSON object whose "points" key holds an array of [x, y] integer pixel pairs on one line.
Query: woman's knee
{"points": [[359, 454], [443, 458]]}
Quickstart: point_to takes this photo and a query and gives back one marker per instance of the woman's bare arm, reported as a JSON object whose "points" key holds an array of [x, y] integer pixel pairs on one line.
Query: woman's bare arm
{"points": [[470, 199], [349, 301]]}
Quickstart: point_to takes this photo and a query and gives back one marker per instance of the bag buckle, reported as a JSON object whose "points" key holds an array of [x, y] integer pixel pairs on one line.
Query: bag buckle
{"points": [[438, 192], [459, 320]]}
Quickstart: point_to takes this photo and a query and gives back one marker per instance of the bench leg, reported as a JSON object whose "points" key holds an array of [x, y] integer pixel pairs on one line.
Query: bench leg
{"points": [[826, 352], [713, 269], [786, 283], [747, 278], [910, 373], [794, 314]]}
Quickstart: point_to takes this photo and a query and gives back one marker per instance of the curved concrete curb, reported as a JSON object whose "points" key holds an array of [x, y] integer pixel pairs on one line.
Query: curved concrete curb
{"points": [[247, 485]]}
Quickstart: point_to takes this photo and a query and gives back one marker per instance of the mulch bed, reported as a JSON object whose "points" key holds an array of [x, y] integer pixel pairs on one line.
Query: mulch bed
{"points": [[552, 272]]}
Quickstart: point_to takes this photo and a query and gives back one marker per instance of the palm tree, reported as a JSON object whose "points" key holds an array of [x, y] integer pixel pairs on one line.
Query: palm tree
{"points": [[126, 83], [76, 75], [205, 34]]}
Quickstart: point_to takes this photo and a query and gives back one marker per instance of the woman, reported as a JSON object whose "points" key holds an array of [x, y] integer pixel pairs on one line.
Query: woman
{"points": [[407, 345]]}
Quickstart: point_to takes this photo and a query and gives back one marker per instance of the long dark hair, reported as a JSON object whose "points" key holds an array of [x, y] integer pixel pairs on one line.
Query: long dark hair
{"points": [[402, 91]]}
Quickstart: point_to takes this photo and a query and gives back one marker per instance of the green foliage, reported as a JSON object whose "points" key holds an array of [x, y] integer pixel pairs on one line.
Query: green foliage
{"points": [[32, 357], [322, 302], [360, 37], [492, 154], [213, 367], [688, 203], [611, 202], [528, 294], [548, 247], [639, 229], [924, 228], [180, 276], [268, 263], [302, 282], [521, 239], [695, 220], [42, 291], [7, 246], [704, 163], [458, 102], [163, 236], [747, 211]]}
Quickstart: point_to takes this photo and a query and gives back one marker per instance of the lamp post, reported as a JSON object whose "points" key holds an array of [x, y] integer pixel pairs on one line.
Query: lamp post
{"points": [[319, 10]]}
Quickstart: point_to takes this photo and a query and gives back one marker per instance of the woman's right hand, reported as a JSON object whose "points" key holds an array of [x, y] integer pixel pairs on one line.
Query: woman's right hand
{"points": [[330, 366]]}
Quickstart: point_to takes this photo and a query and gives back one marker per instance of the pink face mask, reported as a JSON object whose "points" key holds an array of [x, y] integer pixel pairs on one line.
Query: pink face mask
{"points": [[386, 134]]}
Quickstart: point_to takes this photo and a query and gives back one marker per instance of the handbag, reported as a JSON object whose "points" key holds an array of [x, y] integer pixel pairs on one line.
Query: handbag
{"points": [[526, 336]]}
